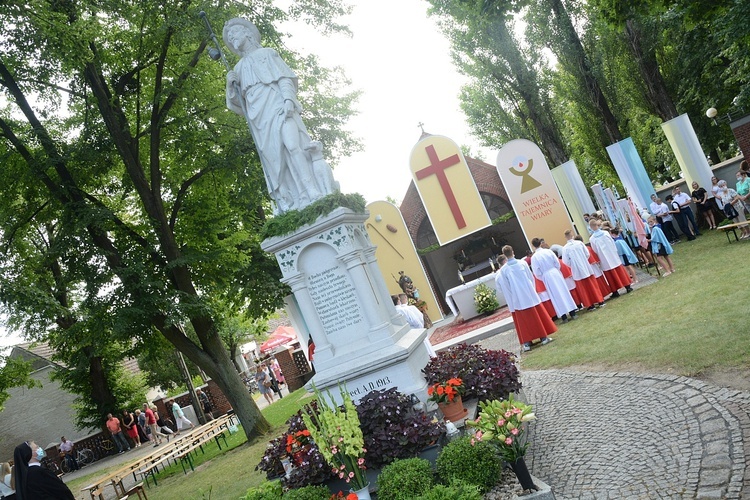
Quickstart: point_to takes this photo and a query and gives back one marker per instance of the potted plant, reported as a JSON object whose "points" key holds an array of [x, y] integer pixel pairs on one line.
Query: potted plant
{"points": [[448, 397], [308, 464], [392, 429], [503, 423], [476, 463], [487, 374], [337, 433], [485, 299]]}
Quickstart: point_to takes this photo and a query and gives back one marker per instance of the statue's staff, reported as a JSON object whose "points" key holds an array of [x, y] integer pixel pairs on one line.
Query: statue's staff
{"points": [[216, 53]]}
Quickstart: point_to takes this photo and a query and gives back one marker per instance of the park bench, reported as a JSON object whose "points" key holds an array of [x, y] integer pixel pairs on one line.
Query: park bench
{"points": [[733, 229]]}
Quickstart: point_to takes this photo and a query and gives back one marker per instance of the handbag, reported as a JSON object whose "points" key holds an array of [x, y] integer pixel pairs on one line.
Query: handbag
{"points": [[266, 383], [729, 211]]}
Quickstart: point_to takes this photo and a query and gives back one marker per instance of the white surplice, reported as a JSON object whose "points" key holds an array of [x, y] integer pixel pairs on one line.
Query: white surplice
{"points": [[576, 257], [604, 246], [546, 267], [516, 283]]}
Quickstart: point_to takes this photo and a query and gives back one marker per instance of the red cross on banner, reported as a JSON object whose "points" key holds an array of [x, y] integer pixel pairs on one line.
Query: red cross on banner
{"points": [[447, 189], [437, 168]]}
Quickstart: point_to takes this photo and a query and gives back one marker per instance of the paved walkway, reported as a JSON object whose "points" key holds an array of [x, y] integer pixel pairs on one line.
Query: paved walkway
{"points": [[604, 435]]}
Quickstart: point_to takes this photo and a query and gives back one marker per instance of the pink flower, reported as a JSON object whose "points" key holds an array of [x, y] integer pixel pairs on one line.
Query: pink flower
{"points": [[501, 422], [341, 475], [347, 479], [341, 439], [334, 450], [509, 440], [508, 414], [473, 442], [360, 461], [514, 432], [517, 411], [351, 475], [342, 467], [479, 435]]}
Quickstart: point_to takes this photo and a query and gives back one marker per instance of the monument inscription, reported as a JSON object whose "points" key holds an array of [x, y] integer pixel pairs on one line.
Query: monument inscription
{"points": [[335, 299]]}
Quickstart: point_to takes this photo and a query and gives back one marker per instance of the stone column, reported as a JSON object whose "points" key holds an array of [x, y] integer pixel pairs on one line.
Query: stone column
{"points": [[362, 282], [377, 276], [323, 348]]}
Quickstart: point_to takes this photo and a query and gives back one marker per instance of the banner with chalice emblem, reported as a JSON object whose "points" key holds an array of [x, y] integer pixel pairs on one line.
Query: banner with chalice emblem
{"points": [[532, 191]]}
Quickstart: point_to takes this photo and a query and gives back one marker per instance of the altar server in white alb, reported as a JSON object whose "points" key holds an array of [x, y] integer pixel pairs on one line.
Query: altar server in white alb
{"points": [[546, 267], [604, 246], [516, 283], [576, 256]]}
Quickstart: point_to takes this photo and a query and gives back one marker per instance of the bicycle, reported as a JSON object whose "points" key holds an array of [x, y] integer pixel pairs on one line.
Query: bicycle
{"points": [[84, 456]]}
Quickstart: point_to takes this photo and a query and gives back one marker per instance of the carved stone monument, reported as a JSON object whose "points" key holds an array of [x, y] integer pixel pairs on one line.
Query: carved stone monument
{"points": [[341, 302]]}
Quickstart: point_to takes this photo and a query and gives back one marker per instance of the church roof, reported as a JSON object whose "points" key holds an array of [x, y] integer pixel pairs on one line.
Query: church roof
{"points": [[41, 354]]}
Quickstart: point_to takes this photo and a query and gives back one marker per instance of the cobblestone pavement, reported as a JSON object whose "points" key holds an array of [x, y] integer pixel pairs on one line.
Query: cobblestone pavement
{"points": [[623, 435]]}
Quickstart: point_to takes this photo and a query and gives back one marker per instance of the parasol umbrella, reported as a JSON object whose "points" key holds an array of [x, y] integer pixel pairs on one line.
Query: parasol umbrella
{"points": [[282, 335]]}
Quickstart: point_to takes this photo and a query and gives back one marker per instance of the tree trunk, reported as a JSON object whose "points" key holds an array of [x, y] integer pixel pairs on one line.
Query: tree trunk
{"points": [[655, 89], [528, 89], [214, 359], [574, 59], [101, 393]]}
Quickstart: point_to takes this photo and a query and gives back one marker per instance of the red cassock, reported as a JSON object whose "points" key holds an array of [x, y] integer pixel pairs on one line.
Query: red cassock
{"points": [[533, 323], [600, 280], [589, 292], [617, 278]]}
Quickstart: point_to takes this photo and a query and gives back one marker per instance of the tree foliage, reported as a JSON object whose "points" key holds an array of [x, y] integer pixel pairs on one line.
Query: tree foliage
{"points": [[133, 197], [14, 372], [593, 72]]}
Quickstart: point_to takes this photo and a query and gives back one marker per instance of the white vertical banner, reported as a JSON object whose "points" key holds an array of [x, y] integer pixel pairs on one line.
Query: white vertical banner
{"points": [[574, 194], [688, 150]]}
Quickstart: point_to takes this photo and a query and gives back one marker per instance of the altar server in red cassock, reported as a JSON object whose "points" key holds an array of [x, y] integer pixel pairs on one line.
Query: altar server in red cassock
{"points": [[576, 256], [546, 267], [604, 246], [516, 283]]}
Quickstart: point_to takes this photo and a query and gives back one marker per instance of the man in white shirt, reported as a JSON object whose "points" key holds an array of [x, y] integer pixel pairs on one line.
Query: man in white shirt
{"points": [[516, 283], [684, 200], [654, 206], [662, 212], [413, 316], [546, 267]]}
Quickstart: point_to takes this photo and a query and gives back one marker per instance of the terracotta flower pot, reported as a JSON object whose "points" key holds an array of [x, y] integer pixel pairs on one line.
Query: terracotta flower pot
{"points": [[455, 410]]}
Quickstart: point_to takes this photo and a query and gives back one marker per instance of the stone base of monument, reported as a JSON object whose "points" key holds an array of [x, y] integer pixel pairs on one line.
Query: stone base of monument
{"points": [[341, 302], [398, 365]]}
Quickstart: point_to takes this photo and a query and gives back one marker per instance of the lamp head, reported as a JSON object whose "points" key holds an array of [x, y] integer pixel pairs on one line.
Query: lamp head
{"points": [[711, 113]]}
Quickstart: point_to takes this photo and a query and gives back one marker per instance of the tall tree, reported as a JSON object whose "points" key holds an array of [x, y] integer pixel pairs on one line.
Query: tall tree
{"points": [[149, 173], [506, 98]]}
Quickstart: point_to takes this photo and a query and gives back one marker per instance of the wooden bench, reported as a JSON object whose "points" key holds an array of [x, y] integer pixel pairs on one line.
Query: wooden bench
{"points": [[179, 449], [733, 228]]}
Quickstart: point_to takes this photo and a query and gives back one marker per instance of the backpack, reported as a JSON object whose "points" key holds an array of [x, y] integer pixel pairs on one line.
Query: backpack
{"points": [[729, 211]]}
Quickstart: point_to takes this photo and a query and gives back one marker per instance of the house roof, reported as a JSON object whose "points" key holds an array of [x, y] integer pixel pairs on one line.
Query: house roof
{"points": [[41, 354]]}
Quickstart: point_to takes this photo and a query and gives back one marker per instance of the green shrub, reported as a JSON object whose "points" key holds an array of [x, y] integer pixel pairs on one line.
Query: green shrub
{"points": [[457, 490], [270, 490], [404, 479], [308, 493], [476, 464]]}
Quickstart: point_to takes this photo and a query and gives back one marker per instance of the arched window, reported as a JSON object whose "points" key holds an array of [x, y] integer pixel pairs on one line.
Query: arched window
{"points": [[495, 205], [425, 234]]}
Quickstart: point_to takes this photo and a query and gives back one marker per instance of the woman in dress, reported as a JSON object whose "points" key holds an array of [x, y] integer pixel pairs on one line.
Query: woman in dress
{"points": [[131, 427], [743, 188], [728, 195], [264, 383], [34, 482], [700, 197]]}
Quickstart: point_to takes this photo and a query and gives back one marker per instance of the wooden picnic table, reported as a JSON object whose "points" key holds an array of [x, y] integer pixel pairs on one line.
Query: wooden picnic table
{"points": [[733, 228], [179, 449]]}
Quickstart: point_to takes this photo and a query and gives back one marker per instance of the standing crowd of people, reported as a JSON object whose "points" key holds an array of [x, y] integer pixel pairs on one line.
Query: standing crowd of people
{"points": [[269, 378]]}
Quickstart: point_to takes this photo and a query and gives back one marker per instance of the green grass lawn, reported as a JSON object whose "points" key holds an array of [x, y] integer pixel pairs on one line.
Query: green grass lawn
{"points": [[689, 323]]}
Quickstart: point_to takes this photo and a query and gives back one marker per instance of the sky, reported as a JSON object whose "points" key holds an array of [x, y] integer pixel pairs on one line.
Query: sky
{"points": [[401, 62]]}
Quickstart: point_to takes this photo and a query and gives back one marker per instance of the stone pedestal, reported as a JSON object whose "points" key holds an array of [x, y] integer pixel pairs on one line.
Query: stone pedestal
{"points": [[341, 301]]}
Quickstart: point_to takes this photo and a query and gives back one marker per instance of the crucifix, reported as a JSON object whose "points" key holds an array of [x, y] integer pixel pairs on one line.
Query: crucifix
{"points": [[421, 125], [437, 167]]}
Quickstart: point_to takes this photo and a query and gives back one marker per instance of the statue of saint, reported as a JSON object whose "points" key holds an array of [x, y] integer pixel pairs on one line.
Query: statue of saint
{"points": [[264, 89]]}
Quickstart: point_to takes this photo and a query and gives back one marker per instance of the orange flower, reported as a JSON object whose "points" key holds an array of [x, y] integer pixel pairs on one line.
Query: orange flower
{"points": [[430, 390], [455, 381], [440, 390]]}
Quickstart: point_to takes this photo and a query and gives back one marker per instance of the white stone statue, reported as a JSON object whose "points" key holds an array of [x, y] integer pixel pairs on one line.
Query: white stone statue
{"points": [[264, 89]]}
